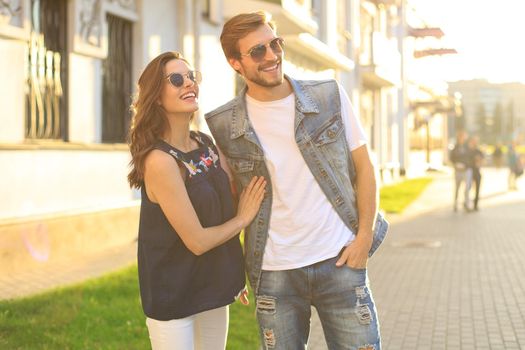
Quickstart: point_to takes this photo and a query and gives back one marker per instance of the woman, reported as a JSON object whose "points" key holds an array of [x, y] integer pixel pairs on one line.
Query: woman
{"points": [[189, 255]]}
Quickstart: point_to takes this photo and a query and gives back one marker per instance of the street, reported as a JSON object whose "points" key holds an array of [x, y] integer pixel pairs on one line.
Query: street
{"points": [[445, 280]]}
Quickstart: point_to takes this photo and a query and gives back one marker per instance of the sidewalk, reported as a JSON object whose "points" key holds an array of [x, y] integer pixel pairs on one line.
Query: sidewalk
{"points": [[68, 272], [451, 280], [441, 280]]}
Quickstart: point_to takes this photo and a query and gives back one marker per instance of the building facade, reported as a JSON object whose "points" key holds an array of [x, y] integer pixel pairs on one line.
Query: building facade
{"points": [[493, 111], [69, 69]]}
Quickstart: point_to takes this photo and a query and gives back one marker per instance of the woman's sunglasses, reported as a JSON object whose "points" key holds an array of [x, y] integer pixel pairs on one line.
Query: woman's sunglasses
{"points": [[258, 52], [177, 79]]}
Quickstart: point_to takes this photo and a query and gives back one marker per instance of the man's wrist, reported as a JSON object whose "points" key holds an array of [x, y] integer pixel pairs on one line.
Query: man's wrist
{"points": [[365, 236]]}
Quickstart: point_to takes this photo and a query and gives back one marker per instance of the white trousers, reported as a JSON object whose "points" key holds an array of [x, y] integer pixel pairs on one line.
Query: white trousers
{"points": [[463, 176], [203, 331]]}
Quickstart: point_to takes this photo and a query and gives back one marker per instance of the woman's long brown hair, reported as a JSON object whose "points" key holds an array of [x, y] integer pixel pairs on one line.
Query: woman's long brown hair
{"points": [[149, 121]]}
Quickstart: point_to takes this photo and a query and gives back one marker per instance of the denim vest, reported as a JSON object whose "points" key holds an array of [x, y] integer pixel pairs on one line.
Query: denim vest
{"points": [[319, 133]]}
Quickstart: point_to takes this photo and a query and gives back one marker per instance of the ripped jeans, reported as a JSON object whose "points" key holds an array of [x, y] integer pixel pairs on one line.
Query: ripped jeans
{"points": [[341, 296]]}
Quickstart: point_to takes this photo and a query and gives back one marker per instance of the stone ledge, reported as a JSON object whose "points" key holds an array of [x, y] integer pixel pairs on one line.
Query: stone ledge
{"points": [[32, 244]]}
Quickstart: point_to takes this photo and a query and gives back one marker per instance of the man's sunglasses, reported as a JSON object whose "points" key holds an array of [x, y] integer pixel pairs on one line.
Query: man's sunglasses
{"points": [[177, 79], [258, 52]]}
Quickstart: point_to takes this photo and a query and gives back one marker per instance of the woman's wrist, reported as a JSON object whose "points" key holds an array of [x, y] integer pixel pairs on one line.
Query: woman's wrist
{"points": [[239, 222]]}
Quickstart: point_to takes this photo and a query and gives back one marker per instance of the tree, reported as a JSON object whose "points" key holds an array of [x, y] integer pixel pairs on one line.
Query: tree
{"points": [[510, 121], [497, 125], [481, 121], [460, 115]]}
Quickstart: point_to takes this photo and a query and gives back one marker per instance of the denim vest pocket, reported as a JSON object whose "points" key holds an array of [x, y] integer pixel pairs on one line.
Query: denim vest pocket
{"points": [[328, 132], [330, 143], [241, 165]]}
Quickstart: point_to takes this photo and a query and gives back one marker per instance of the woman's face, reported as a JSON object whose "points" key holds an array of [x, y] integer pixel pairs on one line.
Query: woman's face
{"points": [[183, 99]]}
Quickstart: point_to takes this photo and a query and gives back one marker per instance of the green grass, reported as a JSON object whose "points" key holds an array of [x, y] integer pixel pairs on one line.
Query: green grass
{"points": [[105, 313], [395, 198], [243, 332]]}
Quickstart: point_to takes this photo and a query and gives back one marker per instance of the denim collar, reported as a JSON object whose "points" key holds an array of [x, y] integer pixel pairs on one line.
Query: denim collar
{"points": [[304, 103]]}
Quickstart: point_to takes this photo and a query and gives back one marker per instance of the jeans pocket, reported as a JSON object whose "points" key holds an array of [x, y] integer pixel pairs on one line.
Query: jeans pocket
{"points": [[358, 270]]}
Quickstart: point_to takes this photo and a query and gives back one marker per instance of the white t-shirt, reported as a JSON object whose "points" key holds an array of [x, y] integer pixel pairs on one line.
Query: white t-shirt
{"points": [[304, 227]]}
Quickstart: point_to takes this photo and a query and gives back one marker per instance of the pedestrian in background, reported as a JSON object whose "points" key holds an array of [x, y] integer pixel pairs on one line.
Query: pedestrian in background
{"points": [[475, 162], [460, 158], [310, 244], [515, 165], [190, 259], [497, 155]]}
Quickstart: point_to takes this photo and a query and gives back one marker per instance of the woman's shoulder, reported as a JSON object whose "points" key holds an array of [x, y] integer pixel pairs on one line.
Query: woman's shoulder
{"points": [[204, 138], [158, 158]]}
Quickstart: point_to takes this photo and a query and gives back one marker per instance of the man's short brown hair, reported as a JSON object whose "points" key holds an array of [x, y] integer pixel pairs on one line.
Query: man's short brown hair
{"points": [[238, 27]]}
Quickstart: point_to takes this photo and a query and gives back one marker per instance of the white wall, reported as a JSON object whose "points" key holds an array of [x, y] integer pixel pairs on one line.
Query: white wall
{"points": [[158, 21], [12, 90], [85, 99], [38, 182], [218, 82]]}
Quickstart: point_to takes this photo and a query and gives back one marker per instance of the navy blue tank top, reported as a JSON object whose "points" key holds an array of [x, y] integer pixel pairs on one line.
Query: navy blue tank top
{"points": [[174, 282]]}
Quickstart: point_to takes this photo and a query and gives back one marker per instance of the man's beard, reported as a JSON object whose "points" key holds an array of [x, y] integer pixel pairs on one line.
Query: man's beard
{"points": [[260, 80]]}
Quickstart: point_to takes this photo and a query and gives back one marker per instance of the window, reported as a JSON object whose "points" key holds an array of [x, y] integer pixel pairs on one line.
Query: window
{"points": [[46, 108], [117, 85]]}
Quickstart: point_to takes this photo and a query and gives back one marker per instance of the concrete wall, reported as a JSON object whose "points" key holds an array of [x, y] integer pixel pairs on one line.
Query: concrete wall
{"points": [[13, 60], [158, 29], [85, 99], [218, 82], [26, 245], [36, 182]]}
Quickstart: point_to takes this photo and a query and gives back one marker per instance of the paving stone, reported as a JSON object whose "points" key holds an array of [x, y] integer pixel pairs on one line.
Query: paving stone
{"points": [[441, 280], [453, 290]]}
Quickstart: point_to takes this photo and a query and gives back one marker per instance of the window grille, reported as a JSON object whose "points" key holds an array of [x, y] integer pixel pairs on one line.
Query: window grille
{"points": [[46, 116], [117, 85]]}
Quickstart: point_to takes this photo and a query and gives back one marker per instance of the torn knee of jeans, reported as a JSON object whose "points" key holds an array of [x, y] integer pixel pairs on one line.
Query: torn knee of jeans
{"points": [[361, 292], [265, 304], [367, 347], [363, 313], [269, 338]]}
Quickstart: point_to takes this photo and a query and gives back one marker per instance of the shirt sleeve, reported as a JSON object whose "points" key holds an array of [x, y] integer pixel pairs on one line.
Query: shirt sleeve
{"points": [[355, 135]]}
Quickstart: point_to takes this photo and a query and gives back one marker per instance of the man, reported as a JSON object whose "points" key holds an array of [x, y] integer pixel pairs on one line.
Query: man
{"points": [[476, 159], [305, 247], [459, 156], [497, 155], [515, 165]]}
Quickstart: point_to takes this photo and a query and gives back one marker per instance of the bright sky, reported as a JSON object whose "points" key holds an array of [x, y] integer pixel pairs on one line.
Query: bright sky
{"points": [[489, 36]]}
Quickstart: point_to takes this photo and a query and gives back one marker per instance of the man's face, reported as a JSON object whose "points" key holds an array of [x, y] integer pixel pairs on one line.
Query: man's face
{"points": [[268, 71]]}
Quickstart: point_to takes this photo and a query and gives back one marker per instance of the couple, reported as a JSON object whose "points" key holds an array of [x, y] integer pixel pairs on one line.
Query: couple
{"points": [[466, 157], [283, 157]]}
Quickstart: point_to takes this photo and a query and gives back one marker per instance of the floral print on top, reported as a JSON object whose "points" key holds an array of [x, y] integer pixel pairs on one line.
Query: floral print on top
{"points": [[202, 164], [174, 282]]}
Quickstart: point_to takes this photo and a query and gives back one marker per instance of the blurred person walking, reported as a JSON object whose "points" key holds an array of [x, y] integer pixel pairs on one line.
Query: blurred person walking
{"points": [[460, 158], [311, 241], [497, 156], [515, 165], [190, 259], [476, 160]]}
